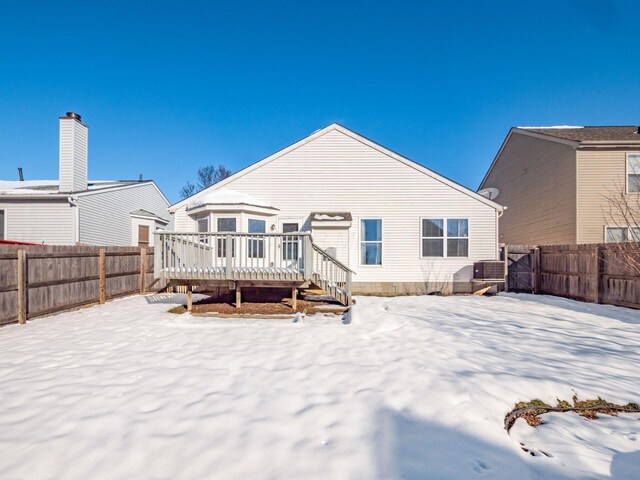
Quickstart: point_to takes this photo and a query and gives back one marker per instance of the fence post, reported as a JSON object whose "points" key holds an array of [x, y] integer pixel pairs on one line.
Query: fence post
{"points": [[599, 274], [143, 269], [536, 263], [505, 255], [102, 275], [22, 286]]}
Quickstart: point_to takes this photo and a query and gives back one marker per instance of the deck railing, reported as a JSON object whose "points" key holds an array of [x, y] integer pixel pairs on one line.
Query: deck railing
{"points": [[250, 256]]}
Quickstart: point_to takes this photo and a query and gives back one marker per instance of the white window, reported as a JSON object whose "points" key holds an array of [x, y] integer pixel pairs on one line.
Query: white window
{"points": [[255, 246], [457, 237], [438, 241], [633, 173], [290, 247], [433, 237], [2, 221], [203, 225], [226, 225], [622, 234], [371, 241]]}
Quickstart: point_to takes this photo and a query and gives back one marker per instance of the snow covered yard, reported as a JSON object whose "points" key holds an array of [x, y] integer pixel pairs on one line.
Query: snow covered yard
{"points": [[413, 387]]}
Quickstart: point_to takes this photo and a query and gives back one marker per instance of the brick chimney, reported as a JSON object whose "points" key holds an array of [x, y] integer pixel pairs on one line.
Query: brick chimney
{"points": [[74, 153]]}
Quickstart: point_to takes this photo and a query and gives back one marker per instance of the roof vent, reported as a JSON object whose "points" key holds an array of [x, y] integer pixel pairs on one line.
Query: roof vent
{"points": [[638, 131]]}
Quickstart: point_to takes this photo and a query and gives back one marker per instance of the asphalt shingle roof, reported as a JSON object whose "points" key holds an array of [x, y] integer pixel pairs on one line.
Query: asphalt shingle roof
{"points": [[590, 134]]}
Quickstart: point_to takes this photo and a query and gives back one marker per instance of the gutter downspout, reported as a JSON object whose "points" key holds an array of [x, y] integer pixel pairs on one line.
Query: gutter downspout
{"points": [[499, 214], [73, 201]]}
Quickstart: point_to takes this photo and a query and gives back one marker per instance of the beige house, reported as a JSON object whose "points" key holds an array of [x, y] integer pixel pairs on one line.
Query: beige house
{"points": [[556, 183]]}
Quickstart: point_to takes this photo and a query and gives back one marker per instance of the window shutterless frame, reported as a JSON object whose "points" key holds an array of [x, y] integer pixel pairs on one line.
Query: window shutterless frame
{"points": [[629, 233], [361, 241], [225, 225], [444, 238], [627, 172]]}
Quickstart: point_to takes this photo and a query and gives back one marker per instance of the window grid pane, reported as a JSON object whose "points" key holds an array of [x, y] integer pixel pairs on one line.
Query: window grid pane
{"points": [[616, 234], [457, 228], [457, 247], [432, 247], [432, 227], [371, 253]]}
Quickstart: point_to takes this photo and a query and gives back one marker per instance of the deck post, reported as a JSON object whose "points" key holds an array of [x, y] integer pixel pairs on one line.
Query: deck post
{"points": [[238, 295], [308, 258], [158, 248], [294, 298], [348, 286], [189, 298], [229, 257]]}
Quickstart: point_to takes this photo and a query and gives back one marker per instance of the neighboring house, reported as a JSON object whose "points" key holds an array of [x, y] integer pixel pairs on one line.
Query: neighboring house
{"points": [[400, 227], [74, 210], [557, 182]]}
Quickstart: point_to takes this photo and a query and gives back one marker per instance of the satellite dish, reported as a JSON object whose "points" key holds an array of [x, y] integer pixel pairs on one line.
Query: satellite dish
{"points": [[490, 192]]}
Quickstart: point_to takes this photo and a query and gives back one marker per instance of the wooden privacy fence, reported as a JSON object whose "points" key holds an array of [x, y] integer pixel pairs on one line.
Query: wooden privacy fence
{"points": [[40, 280], [597, 273]]}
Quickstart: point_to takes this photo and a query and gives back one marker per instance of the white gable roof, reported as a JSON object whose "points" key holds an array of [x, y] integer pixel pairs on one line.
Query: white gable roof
{"points": [[353, 135]]}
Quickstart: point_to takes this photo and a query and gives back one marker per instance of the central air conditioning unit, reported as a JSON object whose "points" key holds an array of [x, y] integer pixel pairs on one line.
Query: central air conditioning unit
{"points": [[488, 270]]}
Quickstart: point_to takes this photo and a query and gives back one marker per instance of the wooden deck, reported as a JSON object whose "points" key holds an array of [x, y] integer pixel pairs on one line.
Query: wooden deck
{"points": [[265, 259]]}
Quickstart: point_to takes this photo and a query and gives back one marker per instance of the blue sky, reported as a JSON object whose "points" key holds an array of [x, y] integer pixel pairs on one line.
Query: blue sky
{"points": [[167, 87]]}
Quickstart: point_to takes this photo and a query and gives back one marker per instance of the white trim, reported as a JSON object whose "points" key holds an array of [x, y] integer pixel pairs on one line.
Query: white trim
{"points": [[149, 217], [381, 242], [445, 237], [357, 137], [235, 207], [122, 187]]}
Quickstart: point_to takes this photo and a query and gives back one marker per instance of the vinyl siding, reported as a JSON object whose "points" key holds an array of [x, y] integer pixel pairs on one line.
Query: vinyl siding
{"points": [[601, 173], [537, 183], [39, 221], [105, 216], [336, 172], [74, 154]]}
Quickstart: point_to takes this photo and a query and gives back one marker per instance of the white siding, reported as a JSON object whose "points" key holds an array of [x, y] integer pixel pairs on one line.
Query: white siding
{"points": [[336, 172], [74, 155], [38, 221], [105, 216]]}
